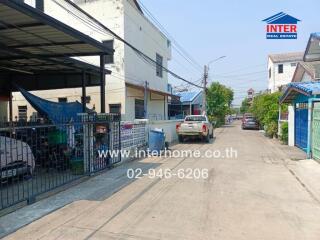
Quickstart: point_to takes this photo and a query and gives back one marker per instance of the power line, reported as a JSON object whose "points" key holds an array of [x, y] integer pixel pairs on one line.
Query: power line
{"points": [[241, 69], [116, 36], [168, 35], [180, 64], [239, 75]]}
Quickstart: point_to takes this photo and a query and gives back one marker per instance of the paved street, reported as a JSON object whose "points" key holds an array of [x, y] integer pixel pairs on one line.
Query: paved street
{"points": [[254, 196]]}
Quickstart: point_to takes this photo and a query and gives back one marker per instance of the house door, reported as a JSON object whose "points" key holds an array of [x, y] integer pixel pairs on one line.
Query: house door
{"points": [[301, 126], [316, 131]]}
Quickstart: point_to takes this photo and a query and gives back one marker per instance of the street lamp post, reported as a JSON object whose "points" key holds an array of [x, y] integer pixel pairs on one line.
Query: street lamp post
{"points": [[205, 82]]}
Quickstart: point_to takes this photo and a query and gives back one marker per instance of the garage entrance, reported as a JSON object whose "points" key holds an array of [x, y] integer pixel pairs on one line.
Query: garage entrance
{"points": [[41, 154]]}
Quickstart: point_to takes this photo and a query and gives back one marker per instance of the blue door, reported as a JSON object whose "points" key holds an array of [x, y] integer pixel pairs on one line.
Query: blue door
{"points": [[301, 126]]}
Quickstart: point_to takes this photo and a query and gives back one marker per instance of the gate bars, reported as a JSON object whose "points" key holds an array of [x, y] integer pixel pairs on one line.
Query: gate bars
{"points": [[39, 156]]}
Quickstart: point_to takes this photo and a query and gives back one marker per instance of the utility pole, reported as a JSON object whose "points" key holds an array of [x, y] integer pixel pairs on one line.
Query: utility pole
{"points": [[205, 82]]}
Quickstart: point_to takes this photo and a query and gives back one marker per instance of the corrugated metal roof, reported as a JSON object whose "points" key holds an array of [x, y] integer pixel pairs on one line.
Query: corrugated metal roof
{"points": [[286, 57], [36, 51], [28, 34], [305, 88], [310, 88], [188, 96]]}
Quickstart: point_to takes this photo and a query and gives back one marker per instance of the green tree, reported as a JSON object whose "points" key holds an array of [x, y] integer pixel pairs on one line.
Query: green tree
{"points": [[245, 105], [219, 99], [265, 108]]}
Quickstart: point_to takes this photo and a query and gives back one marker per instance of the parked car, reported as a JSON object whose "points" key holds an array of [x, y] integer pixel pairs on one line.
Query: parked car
{"points": [[246, 115], [239, 117], [195, 126], [250, 122], [16, 158]]}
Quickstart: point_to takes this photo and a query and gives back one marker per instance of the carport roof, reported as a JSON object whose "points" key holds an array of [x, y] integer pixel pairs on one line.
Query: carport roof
{"points": [[304, 88], [36, 51], [31, 41]]}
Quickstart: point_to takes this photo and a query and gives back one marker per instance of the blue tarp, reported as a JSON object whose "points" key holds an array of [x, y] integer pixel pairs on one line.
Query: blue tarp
{"points": [[57, 112]]}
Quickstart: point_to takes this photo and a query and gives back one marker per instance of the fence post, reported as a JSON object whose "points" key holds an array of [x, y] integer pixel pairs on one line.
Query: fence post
{"points": [[87, 143], [119, 135]]}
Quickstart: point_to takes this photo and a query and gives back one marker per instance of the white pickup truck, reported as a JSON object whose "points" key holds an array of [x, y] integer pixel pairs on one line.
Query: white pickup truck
{"points": [[195, 125]]}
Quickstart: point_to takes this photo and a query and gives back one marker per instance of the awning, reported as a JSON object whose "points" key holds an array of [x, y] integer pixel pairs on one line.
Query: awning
{"points": [[305, 88], [140, 87], [312, 52], [68, 74], [24, 29]]}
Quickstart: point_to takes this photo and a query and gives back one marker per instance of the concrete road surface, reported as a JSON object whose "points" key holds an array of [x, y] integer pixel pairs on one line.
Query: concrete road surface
{"points": [[251, 196]]}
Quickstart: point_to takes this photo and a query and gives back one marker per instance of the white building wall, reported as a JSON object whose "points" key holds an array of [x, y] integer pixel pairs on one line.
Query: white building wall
{"points": [[157, 106], [30, 2], [276, 80], [291, 131], [169, 128], [3, 110], [125, 20], [147, 38]]}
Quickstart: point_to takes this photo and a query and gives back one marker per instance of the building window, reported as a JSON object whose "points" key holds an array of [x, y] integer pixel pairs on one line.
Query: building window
{"points": [[269, 72], [40, 5], [168, 43], [63, 100], [159, 60], [139, 109], [22, 113], [280, 68], [293, 64], [115, 108], [109, 59]]}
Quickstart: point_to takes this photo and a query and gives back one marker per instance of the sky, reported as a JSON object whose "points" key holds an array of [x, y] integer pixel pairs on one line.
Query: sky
{"points": [[208, 29]]}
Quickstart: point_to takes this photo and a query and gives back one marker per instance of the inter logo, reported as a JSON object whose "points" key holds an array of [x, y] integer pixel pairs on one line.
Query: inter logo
{"points": [[282, 26]]}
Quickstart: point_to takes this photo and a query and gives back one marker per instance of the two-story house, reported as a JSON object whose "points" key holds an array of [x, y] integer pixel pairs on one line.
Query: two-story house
{"points": [[250, 95], [137, 88], [281, 68]]}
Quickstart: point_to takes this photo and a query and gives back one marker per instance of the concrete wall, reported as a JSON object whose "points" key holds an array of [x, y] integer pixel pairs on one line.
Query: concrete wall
{"points": [[279, 79], [169, 128], [157, 105]]}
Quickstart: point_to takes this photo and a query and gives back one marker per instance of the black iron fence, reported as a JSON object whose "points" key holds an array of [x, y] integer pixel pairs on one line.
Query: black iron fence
{"points": [[37, 157]]}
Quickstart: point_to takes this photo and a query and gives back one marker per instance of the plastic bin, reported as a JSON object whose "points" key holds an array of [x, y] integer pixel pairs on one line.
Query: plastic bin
{"points": [[156, 141], [57, 137], [77, 166]]}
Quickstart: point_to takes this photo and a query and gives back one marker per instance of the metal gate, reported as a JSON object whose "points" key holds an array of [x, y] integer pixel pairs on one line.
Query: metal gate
{"points": [[37, 157], [316, 131], [301, 125]]}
